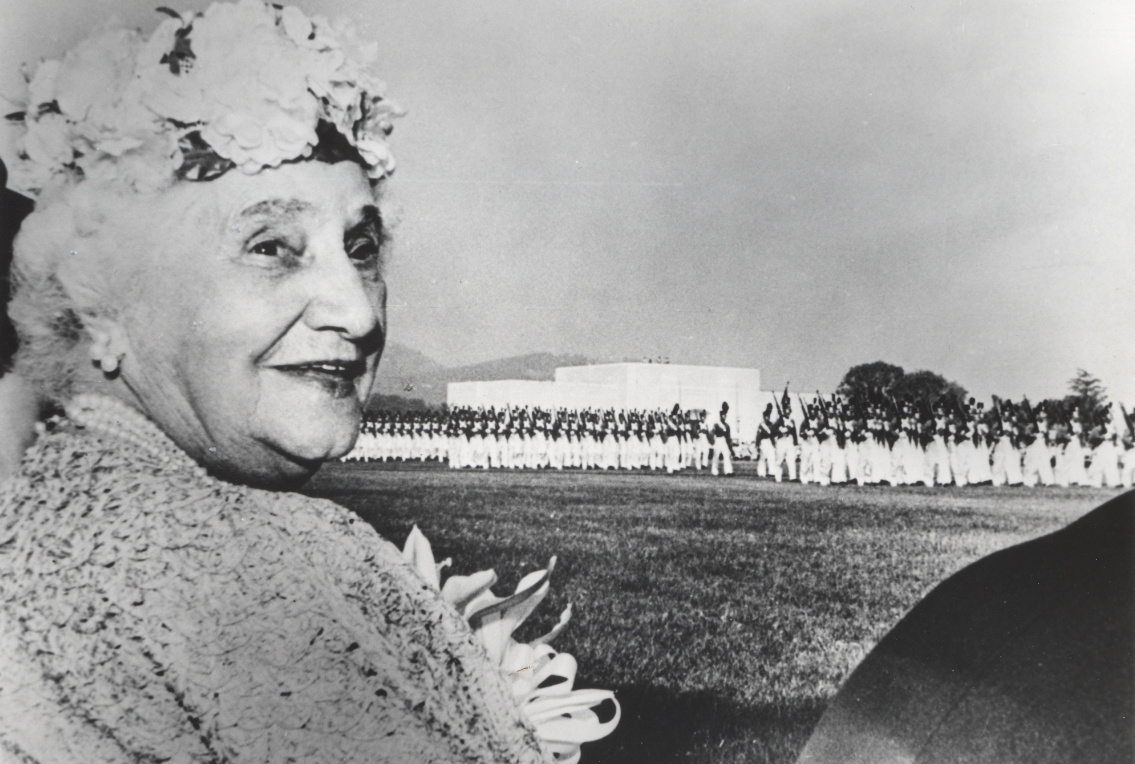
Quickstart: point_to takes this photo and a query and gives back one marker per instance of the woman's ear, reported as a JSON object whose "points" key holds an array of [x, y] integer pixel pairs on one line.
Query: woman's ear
{"points": [[108, 342]]}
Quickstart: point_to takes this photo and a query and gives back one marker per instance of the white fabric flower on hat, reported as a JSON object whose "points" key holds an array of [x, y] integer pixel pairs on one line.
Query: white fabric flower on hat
{"points": [[541, 679], [243, 84], [41, 88], [96, 72], [47, 141]]}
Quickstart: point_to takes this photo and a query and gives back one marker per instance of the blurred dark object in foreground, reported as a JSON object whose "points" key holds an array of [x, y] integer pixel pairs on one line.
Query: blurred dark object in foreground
{"points": [[1028, 656], [13, 209]]}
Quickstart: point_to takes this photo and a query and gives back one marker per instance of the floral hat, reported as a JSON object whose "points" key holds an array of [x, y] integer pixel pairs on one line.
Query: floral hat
{"points": [[243, 85]]}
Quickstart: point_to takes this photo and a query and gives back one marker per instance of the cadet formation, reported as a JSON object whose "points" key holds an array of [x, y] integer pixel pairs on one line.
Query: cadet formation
{"points": [[878, 441], [887, 442], [535, 438]]}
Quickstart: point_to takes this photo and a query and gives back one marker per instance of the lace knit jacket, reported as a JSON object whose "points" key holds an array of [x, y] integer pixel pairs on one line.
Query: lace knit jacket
{"points": [[150, 613]]}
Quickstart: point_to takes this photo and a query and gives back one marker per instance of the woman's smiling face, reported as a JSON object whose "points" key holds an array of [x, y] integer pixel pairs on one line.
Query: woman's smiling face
{"points": [[256, 324]]}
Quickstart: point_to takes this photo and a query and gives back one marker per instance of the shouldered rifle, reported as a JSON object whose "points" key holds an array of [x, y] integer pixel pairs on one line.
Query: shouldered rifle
{"points": [[1128, 419], [823, 406], [1000, 413], [1030, 412]]}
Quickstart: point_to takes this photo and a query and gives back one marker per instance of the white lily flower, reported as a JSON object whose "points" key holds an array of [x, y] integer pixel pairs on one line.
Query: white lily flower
{"points": [[418, 553], [541, 679]]}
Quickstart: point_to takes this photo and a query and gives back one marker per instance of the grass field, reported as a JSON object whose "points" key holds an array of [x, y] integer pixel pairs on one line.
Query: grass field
{"points": [[723, 612]]}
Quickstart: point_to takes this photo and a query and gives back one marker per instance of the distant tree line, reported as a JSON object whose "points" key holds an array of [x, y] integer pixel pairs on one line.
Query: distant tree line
{"points": [[870, 383]]}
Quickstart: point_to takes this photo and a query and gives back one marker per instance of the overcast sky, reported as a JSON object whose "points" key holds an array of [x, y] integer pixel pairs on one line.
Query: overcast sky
{"points": [[792, 186]]}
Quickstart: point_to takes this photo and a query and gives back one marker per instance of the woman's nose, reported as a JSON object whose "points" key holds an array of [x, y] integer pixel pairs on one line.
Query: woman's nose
{"points": [[344, 298]]}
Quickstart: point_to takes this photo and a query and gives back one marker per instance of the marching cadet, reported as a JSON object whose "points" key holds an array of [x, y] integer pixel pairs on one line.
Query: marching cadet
{"points": [[672, 447], [1002, 446], [787, 439], [888, 436], [608, 444], [555, 442], [878, 466], [516, 437], [653, 452], [1103, 438], [957, 444], [938, 452], [575, 436], [637, 445], [1033, 428], [722, 442], [809, 446], [662, 437], [841, 442], [825, 442], [908, 443], [504, 438], [588, 437], [857, 436], [624, 440], [1006, 457], [1060, 442], [477, 446], [980, 470], [766, 443], [1074, 450], [869, 448], [437, 442], [451, 438], [492, 440], [701, 441]]}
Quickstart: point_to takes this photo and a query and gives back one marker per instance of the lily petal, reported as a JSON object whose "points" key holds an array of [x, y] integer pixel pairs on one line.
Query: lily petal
{"points": [[563, 666], [517, 613], [571, 704], [558, 629], [459, 591], [581, 727], [533, 585], [494, 635], [420, 556]]}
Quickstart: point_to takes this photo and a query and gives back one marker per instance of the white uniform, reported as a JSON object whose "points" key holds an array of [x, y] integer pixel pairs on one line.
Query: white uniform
{"points": [[1037, 462], [721, 450], [785, 452]]}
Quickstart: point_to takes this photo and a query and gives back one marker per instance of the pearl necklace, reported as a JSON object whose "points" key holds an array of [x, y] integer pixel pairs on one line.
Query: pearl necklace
{"points": [[103, 415]]}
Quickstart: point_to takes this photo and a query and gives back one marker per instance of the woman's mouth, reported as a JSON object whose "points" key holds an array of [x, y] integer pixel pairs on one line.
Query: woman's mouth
{"points": [[337, 377]]}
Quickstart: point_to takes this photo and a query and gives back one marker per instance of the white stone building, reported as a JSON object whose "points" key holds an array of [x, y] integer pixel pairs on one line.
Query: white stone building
{"points": [[633, 386]]}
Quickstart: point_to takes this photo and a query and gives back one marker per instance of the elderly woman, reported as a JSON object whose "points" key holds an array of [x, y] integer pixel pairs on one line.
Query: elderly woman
{"points": [[200, 287]]}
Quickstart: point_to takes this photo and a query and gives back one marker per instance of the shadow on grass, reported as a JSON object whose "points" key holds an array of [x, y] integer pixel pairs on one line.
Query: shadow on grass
{"points": [[659, 726]]}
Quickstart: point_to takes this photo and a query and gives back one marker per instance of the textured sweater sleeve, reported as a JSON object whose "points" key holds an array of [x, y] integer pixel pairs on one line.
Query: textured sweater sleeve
{"points": [[153, 612]]}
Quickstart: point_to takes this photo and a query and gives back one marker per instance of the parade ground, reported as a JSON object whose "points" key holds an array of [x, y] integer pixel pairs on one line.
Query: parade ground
{"points": [[724, 612]]}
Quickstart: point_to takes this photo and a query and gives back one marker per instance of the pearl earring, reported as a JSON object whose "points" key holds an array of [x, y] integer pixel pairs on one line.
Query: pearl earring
{"points": [[109, 363]]}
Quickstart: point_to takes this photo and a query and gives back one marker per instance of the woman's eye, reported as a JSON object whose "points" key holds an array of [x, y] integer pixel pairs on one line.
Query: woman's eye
{"points": [[363, 250], [271, 248]]}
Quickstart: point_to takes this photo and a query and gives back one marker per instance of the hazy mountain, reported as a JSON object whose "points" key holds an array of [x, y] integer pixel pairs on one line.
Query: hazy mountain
{"points": [[400, 361], [532, 366], [407, 373]]}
